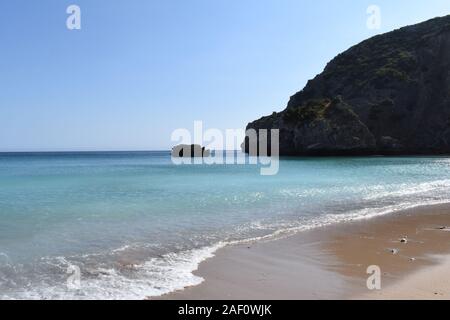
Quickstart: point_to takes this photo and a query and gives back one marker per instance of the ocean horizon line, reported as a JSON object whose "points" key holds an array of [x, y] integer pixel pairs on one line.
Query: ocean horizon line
{"points": [[92, 151]]}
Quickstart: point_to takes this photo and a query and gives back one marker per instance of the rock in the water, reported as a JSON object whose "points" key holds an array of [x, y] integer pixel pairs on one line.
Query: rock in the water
{"points": [[190, 151], [387, 95]]}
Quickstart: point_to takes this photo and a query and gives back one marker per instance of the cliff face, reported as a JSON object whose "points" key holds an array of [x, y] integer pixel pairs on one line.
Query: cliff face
{"points": [[387, 95]]}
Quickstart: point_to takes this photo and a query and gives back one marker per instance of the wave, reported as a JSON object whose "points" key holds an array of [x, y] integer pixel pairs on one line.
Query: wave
{"points": [[155, 277], [175, 271], [409, 189]]}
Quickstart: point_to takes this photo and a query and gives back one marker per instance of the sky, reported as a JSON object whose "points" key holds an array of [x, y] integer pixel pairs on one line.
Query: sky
{"points": [[139, 69]]}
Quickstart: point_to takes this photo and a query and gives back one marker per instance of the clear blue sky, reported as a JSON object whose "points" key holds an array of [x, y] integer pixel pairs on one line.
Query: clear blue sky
{"points": [[138, 69]]}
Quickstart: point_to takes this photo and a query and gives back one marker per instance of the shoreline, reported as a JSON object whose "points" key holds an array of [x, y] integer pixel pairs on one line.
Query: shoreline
{"points": [[330, 262]]}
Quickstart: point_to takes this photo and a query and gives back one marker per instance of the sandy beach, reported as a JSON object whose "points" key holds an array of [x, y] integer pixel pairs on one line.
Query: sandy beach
{"points": [[411, 248]]}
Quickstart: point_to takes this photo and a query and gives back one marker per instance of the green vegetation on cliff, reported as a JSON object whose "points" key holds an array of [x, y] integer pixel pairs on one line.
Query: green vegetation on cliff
{"points": [[387, 95]]}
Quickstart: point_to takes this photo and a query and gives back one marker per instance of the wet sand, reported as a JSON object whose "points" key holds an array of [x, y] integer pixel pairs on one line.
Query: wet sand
{"points": [[331, 262]]}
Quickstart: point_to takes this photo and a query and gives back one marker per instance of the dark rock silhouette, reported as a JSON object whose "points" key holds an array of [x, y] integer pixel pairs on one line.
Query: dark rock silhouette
{"points": [[387, 95], [189, 151]]}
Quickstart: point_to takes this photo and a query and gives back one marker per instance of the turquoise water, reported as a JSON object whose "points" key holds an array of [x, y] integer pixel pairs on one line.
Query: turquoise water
{"points": [[137, 225]]}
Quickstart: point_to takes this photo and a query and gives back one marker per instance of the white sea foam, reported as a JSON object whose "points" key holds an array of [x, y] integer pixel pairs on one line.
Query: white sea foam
{"points": [[155, 277]]}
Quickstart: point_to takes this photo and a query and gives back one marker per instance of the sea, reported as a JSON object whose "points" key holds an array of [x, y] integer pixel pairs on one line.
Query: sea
{"points": [[131, 225]]}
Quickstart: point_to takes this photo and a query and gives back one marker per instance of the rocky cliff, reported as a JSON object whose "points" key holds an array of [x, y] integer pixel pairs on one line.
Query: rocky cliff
{"points": [[387, 95]]}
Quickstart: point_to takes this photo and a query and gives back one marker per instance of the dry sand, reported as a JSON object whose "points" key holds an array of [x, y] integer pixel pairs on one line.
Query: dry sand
{"points": [[331, 262]]}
